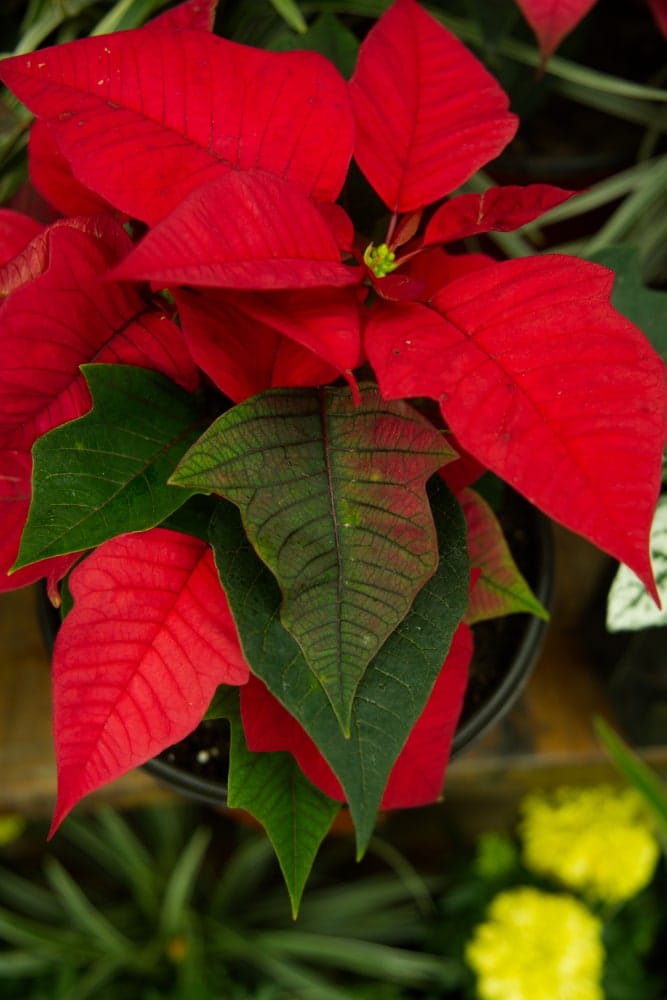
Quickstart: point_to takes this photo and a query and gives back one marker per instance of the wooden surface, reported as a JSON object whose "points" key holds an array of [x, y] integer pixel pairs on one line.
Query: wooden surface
{"points": [[546, 739], [27, 764]]}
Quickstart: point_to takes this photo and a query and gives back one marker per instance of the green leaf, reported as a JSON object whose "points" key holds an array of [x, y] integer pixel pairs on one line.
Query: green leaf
{"points": [[501, 588], [645, 307], [290, 13], [295, 814], [106, 473], [180, 887], [398, 681], [328, 36], [638, 774], [219, 704], [21, 963], [193, 517], [83, 914], [332, 496]]}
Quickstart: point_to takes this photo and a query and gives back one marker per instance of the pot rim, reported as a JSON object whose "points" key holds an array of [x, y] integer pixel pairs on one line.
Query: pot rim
{"points": [[213, 792], [506, 694]]}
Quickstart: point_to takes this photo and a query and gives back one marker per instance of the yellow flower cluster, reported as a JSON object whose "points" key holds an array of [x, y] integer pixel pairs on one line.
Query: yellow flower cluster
{"points": [[596, 840], [537, 946]]}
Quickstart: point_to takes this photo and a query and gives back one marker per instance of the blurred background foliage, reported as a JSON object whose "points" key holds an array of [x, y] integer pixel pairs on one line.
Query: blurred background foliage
{"points": [[174, 901]]}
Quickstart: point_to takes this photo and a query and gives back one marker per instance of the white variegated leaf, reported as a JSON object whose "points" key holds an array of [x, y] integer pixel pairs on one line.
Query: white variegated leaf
{"points": [[629, 607]]}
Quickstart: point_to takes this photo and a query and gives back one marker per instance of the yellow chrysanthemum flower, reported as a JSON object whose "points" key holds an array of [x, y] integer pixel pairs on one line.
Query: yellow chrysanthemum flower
{"points": [[537, 946], [597, 840]]}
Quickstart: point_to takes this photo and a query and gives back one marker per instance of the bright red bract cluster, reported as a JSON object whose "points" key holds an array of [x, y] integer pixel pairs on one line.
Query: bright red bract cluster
{"points": [[229, 162]]}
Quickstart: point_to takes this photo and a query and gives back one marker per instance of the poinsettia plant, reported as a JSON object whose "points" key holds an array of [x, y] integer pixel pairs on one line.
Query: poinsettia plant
{"points": [[552, 22], [241, 419]]}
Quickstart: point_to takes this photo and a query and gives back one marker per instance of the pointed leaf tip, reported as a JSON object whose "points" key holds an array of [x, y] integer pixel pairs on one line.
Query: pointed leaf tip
{"points": [[295, 814], [417, 775], [332, 495], [420, 97], [85, 492], [129, 683], [501, 588], [553, 21], [397, 683], [579, 433]]}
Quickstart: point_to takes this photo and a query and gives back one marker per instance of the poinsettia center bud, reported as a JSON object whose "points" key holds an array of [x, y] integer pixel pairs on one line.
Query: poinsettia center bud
{"points": [[380, 259]]}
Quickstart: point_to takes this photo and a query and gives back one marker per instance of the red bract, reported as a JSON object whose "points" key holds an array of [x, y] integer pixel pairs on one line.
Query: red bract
{"points": [[15, 494], [52, 176], [498, 209], [16, 231], [412, 146], [67, 316], [61, 314], [244, 230], [659, 10], [117, 100], [545, 384], [138, 658], [553, 20], [243, 341], [191, 14]]}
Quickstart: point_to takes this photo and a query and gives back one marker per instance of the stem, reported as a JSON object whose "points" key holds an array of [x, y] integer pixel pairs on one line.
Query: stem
{"points": [[390, 228]]}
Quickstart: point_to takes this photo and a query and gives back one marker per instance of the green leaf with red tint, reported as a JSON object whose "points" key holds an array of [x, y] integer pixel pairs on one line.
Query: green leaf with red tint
{"points": [[398, 681], [428, 114], [183, 107], [542, 381], [501, 588], [332, 495], [124, 691]]}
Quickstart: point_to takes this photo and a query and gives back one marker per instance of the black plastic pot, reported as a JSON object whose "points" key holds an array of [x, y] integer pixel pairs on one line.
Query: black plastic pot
{"points": [[512, 643]]}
